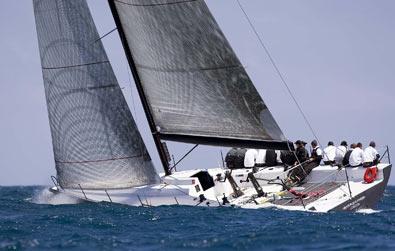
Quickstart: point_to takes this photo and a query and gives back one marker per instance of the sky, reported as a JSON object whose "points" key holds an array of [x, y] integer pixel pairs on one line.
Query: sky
{"points": [[337, 57]]}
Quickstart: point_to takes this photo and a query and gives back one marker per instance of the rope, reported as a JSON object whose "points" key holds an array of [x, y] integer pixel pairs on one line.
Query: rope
{"points": [[282, 78]]}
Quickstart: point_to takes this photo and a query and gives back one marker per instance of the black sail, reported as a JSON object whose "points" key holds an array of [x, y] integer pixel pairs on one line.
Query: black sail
{"points": [[194, 85], [95, 139]]}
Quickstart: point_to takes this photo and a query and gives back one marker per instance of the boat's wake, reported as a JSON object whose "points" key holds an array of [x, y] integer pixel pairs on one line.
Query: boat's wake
{"points": [[46, 197], [368, 211]]}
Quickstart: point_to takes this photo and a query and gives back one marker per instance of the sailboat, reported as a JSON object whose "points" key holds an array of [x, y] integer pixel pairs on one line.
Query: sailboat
{"points": [[193, 89]]}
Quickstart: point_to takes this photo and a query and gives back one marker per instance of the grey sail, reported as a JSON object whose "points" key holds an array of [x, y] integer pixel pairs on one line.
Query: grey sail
{"points": [[194, 85], [95, 139]]}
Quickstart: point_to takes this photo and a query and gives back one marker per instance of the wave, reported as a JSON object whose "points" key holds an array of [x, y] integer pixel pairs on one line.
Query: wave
{"points": [[368, 211]]}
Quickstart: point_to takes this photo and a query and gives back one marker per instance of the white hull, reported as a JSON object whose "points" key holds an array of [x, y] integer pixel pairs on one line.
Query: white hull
{"points": [[152, 195], [326, 189]]}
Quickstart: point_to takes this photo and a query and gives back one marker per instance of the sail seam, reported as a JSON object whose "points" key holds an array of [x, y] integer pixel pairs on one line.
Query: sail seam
{"points": [[190, 69], [72, 66], [155, 4], [97, 161]]}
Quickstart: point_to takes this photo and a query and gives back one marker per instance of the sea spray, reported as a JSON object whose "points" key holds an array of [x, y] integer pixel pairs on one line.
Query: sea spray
{"points": [[368, 211], [45, 196]]}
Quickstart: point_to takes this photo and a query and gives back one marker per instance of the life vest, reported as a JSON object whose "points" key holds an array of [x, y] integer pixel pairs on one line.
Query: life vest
{"points": [[314, 154], [370, 174]]}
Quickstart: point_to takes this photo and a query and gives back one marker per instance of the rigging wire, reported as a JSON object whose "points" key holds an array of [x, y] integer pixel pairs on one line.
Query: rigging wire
{"points": [[105, 35], [185, 155], [281, 76]]}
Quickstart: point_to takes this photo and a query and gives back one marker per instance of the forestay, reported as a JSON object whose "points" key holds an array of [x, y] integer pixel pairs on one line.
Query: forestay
{"points": [[95, 139], [195, 87]]}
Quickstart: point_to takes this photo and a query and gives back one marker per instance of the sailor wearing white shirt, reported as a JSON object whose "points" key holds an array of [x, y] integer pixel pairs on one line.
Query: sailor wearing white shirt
{"points": [[278, 152], [260, 158], [341, 152], [370, 155], [356, 157], [250, 157], [329, 154]]}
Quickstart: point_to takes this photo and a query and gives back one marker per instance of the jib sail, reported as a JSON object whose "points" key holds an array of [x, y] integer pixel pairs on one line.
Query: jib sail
{"points": [[95, 139]]}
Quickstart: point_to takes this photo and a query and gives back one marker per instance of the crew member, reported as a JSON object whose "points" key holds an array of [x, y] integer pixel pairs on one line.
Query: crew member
{"points": [[298, 174], [356, 157], [271, 158], [235, 158], [230, 158], [301, 153], [370, 156], [279, 161], [346, 159], [341, 152], [316, 153], [330, 154], [287, 158], [260, 158], [314, 161], [250, 158]]}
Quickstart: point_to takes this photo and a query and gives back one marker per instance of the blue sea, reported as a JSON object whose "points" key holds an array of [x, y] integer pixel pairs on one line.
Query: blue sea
{"points": [[27, 222]]}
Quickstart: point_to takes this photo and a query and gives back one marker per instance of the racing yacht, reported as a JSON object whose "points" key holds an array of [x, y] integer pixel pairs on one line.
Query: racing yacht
{"points": [[193, 89]]}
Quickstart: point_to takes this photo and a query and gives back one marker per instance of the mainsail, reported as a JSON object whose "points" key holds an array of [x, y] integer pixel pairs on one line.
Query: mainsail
{"points": [[95, 139], [193, 85]]}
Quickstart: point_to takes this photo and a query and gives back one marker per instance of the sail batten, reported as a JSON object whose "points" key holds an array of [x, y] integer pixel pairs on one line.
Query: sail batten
{"points": [[209, 68], [72, 66], [155, 4], [96, 142]]}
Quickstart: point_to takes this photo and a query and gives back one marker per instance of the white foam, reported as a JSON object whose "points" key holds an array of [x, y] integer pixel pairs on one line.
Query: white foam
{"points": [[368, 211], [46, 197]]}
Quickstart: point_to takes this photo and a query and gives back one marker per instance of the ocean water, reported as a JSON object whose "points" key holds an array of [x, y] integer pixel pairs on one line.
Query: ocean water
{"points": [[27, 222]]}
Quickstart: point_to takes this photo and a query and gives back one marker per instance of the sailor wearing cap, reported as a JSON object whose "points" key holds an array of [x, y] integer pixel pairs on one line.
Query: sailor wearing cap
{"points": [[301, 153], [298, 174]]}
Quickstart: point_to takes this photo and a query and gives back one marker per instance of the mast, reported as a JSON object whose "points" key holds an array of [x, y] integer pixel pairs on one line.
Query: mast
{"points": [[155, 133]]}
